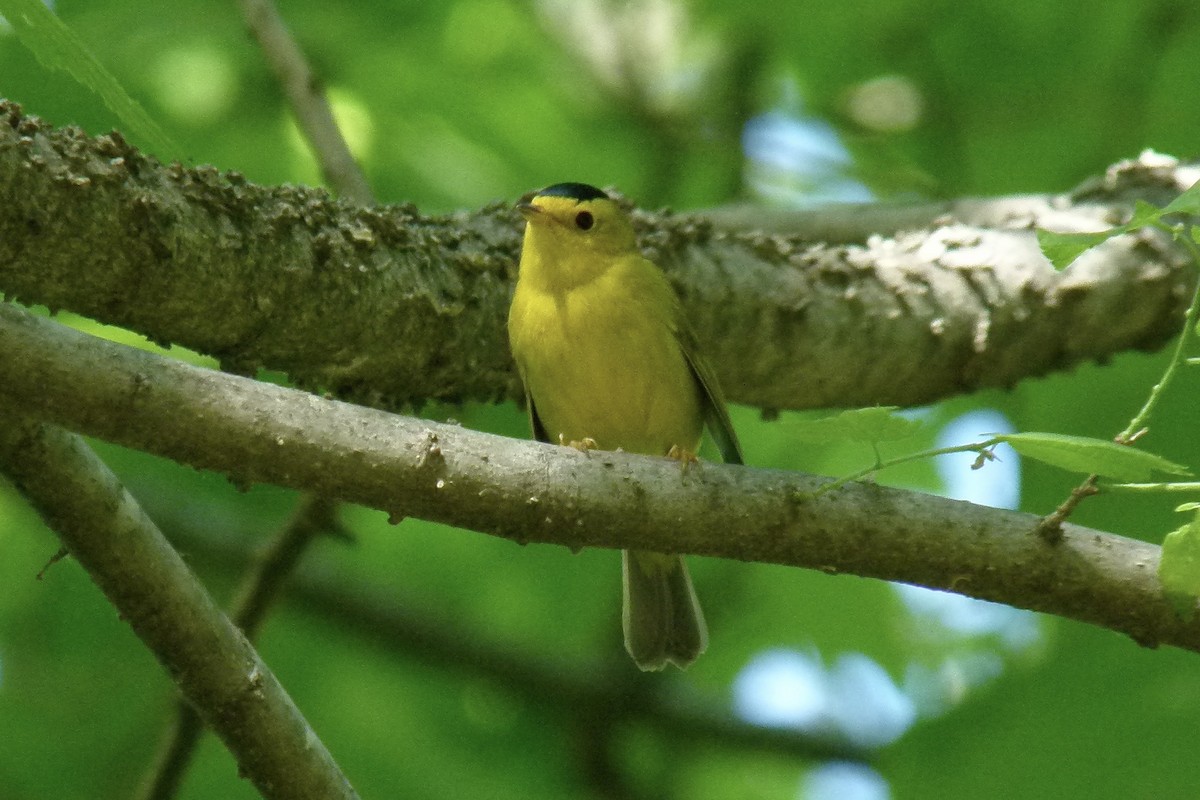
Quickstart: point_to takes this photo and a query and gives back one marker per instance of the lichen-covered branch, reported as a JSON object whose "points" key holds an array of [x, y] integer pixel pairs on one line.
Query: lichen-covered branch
{"points": [[389, 307], [533, 492]]}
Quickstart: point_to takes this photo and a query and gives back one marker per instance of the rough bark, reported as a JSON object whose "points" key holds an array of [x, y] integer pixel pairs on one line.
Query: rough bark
{"points": [[389, 307]]}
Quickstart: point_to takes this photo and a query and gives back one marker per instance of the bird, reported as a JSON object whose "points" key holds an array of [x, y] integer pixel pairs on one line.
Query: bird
{"points": [[608, 361]]}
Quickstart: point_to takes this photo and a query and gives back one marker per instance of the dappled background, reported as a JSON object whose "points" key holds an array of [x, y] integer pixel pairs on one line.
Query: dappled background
{"points": [[442, 663]]}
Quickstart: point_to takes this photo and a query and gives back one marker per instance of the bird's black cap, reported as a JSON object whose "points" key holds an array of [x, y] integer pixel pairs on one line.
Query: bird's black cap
{"points": [[574, 191]]}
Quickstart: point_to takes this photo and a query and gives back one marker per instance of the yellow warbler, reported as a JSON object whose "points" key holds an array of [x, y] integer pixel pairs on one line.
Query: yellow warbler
{"points": [[609, 361]]}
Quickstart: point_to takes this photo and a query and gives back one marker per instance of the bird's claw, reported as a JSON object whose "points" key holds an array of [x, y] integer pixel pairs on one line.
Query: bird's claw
{"points": [[685, 457], [582, 445]]}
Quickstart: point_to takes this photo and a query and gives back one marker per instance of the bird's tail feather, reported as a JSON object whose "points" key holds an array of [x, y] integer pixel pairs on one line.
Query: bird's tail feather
{"points": [[662, 618]]}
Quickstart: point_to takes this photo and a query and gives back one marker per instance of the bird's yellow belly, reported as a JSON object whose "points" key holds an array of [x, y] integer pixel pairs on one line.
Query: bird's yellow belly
{"points": [[609, 371]]}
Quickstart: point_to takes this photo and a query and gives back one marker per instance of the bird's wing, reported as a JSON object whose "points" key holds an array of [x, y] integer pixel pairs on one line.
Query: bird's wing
{"points": [[535, 422], [716, 416]]}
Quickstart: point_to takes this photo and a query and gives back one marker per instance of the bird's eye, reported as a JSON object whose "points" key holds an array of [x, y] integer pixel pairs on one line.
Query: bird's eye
{"points": [[584, 220]]}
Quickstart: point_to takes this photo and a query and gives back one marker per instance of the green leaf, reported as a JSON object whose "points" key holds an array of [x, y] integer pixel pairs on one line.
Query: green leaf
{"points": [[1179, 568], [1186, 203], [57, 47], [1063, 248], [870, 425], [1086, 455], [1143, 214]]}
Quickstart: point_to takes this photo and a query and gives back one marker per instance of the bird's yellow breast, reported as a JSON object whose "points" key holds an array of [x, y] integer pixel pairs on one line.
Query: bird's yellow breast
{"points": [[601, 359]]}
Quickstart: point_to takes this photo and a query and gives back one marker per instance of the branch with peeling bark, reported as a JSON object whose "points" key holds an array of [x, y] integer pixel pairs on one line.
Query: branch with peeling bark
{"points": [[388, 307], [531, 492]]}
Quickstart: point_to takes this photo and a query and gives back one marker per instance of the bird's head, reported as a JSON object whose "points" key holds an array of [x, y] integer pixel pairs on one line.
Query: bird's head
{"points": [[574, 220]]}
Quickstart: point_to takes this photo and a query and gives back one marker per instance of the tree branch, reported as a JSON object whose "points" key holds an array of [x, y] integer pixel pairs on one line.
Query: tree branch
{"points": [[532, 492], [306, 96], [313, 515], [151, 587], [387, 307], [258, 590], [571, 687]]}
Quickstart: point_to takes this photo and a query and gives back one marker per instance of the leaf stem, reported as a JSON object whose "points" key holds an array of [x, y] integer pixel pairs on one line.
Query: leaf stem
{"points": [[881, 464], [1177, 358], [1050, 528], [1170, 486]]}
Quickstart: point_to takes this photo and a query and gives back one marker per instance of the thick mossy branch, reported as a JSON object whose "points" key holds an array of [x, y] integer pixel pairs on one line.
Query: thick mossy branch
{"points": [[533, 492], [381, 305], [388, 307]]}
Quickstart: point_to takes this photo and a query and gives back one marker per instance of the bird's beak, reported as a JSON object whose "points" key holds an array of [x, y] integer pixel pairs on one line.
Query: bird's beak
{"points": [[530, 212]]}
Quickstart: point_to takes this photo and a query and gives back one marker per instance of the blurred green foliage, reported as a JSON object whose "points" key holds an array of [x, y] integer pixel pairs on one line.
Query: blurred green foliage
{"points": [[460, 103]]}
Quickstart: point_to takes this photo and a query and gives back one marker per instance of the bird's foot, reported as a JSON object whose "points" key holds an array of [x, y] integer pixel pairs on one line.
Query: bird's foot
{"points": [[582, 445], [685, 457]]}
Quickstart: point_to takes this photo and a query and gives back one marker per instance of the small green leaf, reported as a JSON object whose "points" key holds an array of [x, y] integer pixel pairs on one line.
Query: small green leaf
{"points": [[1086, 455], [1143, 214], [1179, 568], [1186, 203], [1188, 507], [878, 424], [1063, 248], [58, 47]]}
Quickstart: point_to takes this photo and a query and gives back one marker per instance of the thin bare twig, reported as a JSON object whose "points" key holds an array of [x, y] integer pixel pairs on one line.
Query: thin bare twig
{"points": [[306, 95], [1049, 527]]}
